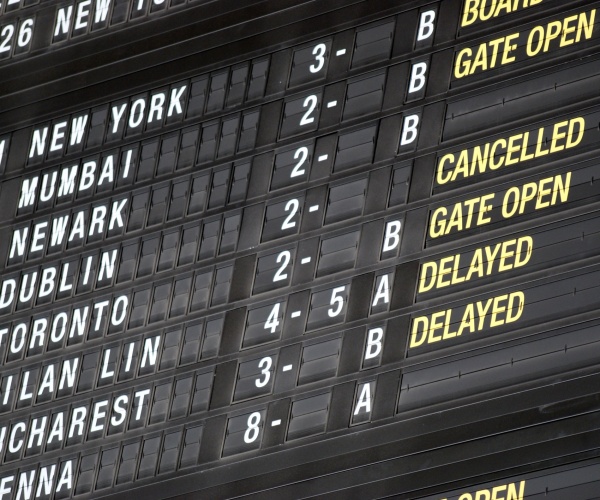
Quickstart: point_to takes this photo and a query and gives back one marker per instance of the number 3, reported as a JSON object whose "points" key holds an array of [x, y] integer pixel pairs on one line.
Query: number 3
{"points": [[265, 364], [318, 52]]}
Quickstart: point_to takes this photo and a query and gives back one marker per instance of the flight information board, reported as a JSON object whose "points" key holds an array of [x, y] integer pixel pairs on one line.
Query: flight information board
{"points": [[290, 249]]}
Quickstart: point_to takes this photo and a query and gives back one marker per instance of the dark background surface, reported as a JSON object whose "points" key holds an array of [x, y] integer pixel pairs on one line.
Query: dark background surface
{"points": [[214, 212]]}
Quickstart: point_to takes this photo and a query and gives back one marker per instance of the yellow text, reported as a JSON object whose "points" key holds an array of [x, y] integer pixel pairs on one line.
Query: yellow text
{"points": [[484, 10], [509, 151], [486, 261], [502, 492], [539, 40], [476, 317], [517, 199]]}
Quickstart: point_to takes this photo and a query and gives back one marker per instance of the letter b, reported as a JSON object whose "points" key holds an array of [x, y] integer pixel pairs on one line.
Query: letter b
{"points": [[373, 347], [47, 282], [426, 25], [471, 12], [392, 236], [417, 77], [409, 130], [87, 175]]}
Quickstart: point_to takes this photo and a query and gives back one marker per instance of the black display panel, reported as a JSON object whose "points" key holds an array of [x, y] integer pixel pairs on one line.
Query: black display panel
{"points": [[294, 249]]}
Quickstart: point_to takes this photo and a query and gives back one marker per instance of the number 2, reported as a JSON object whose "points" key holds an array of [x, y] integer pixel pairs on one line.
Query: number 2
{"points": [[301, 153], [8, 31], [311, 103], [284, 256], [292, 207]]}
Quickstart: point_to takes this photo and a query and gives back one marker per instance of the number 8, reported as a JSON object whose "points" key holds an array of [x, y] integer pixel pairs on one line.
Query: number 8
{"points": [[252, 431]]}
